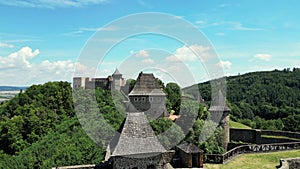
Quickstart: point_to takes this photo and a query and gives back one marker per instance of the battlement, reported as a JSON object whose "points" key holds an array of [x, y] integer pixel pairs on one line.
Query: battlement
{"points": [[115, 82]]}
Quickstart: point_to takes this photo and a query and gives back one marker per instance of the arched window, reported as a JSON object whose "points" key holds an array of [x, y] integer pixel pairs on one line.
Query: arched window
{"points": [[150, 99]]}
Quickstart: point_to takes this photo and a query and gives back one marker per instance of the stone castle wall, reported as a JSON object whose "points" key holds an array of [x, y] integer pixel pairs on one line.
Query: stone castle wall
{"points": [[261, 136]]}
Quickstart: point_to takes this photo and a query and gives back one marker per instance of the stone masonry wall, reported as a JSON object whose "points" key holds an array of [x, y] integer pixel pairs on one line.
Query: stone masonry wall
{"points": [[256, 136]]}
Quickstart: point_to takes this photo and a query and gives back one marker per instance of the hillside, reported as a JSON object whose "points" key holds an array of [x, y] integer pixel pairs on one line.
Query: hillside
{"points": [[68, 144], [264, 100], [39, 129]]}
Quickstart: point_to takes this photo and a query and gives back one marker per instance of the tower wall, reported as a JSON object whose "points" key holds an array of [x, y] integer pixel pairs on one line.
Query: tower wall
{"points": [[225, 126], [153, 106], [220, 114], [117, 82], [78, 82], [222, 119]]}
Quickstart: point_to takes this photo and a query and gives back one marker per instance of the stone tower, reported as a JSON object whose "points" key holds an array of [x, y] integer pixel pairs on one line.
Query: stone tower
{"points": [[220, 114], [117, 80], [147, 96], [137, 146]]}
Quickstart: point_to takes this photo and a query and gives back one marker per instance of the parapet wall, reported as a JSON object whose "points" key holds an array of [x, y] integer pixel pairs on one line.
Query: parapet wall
{"points": [[262, 136], [288, 134], [244, 135]]}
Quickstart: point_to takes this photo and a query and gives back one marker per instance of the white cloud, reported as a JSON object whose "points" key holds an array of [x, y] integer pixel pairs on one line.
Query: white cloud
{"points": [[220, 34], [74, 33], [178, 17], [224, 64], [239, 26], [18, 59], [200, 22], [82, 30], [56, 67], [224, 5], [186, 53], [142, 53], [85, 70], [235, 26], [263, 56], [51, 3], [148, 61], [18, 69], [6, 45]]}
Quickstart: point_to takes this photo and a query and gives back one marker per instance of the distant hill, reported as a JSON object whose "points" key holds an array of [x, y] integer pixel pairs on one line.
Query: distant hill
{"points": [[11, 88], [265, 100]]}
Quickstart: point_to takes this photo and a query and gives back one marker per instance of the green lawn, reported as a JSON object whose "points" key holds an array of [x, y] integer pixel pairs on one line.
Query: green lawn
{"points": [[234, 124], [251, 161], [279, 137]]}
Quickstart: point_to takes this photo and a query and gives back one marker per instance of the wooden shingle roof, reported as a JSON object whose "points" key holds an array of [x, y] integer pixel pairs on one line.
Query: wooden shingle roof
{"points": [[117, 72], [137, 137], [189, 148], [146, 84]]}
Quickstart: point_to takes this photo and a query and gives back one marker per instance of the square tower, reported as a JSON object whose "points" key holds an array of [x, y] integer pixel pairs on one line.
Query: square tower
{"points": [[147, 96]]}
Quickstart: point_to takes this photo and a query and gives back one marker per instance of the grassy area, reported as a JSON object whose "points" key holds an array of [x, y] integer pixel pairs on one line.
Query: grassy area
{"points": [[234, 124], [279, 137], [250, 161]]}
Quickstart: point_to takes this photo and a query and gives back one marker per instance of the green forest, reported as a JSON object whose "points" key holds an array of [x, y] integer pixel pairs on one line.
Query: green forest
{"points": [[262, 100], [40, 129]]}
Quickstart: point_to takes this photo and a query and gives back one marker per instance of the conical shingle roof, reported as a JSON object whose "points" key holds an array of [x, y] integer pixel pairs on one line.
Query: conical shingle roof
{"points": [[117, 72], [137, 137]]}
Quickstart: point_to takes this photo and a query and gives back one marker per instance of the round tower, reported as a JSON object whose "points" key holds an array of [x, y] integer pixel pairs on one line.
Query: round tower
{"points": [[117, 80]]}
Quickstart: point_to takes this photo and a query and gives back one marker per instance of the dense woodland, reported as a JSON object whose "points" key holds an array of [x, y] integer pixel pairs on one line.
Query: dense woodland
{"points": [[40, 129], [261, 100]]}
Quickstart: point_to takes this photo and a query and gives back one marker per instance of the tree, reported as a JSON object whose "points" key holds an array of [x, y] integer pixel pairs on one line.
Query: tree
{"points": [[173, 93]]}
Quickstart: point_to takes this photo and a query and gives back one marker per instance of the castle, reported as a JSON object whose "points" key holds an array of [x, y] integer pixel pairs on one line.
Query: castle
{"points": [[137, 146], [115, 82]]}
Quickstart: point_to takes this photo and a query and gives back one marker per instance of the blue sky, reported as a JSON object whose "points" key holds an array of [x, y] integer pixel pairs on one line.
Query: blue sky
{"points": [[41, 40]]}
